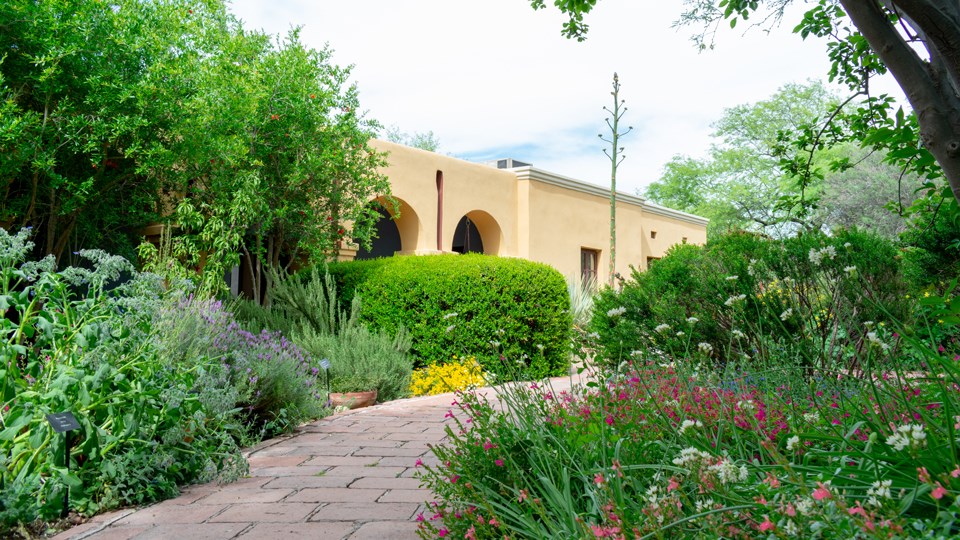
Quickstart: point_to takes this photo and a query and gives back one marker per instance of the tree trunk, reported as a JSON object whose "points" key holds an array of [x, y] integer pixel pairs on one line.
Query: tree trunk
{"points": [[927, 85]]}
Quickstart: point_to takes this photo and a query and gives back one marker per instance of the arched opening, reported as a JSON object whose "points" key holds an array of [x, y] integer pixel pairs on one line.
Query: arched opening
{"points": [[397, 230], [477, 232], [466, 237], [387, 240]]}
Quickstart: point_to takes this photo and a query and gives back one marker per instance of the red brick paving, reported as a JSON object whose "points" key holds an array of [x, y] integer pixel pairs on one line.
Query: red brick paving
{"points": [[350, 476]]}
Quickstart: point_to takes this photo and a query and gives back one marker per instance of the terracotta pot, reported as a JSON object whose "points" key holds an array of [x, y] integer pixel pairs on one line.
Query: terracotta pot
{"points": [[353, 400]]}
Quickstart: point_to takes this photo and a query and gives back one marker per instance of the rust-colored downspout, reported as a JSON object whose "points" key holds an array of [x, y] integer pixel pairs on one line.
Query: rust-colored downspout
{"points": [[439, 210]]}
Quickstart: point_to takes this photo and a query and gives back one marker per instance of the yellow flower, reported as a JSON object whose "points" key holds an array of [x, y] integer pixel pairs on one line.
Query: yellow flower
{"points": [[448, 377]]}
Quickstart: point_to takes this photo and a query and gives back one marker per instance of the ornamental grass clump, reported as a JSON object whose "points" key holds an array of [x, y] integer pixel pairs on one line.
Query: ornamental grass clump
{"points": [[747, 437]]}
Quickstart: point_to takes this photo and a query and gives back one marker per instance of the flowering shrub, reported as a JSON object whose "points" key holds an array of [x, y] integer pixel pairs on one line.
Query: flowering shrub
{"points": [[673, 450], [77, 341], [451, 376], [269, 378], [806, 301]]}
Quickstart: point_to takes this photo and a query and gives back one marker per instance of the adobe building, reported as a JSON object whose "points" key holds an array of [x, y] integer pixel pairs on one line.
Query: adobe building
{"points": [[513, 209]]}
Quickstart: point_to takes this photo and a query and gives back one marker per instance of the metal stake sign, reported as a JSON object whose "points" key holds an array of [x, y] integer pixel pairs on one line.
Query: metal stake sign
{"points": [[64, 422]]}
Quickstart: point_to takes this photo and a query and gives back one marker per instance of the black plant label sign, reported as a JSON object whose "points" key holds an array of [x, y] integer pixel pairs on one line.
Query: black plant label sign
{"points": [[63, 422]]}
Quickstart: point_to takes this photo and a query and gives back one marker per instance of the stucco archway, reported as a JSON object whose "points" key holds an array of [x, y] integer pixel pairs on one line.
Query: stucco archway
{"points": [[398, 230], [477, 227]]}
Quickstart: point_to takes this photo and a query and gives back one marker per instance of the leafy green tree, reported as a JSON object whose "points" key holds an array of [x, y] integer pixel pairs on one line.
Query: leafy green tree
{"points": [[745, 184], [918, 41], [79, 111], [116, 115], [285, 173], [424, 141]]}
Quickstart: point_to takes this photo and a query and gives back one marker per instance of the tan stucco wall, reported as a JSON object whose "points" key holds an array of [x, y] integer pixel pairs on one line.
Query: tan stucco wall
{"points": [[563, 221], [527, 213], [469, 189]]}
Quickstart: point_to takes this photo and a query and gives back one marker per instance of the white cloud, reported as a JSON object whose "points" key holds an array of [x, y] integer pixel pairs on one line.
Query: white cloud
{"points": [[493, 75]]}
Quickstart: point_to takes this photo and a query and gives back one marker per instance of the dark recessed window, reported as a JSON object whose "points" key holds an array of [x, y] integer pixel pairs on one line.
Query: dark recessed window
{"points": [[589, 261]]}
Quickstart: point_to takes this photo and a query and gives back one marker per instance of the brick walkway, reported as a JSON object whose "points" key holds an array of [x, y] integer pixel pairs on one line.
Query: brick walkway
{"points": [[349, 476]]}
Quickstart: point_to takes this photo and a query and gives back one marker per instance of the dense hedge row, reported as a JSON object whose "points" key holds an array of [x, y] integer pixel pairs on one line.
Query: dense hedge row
{"points": [[491, 308]]}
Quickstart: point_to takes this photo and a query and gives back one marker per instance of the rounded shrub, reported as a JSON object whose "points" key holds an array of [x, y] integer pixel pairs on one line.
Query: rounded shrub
{"points": [[811, 297], [512, 315]]}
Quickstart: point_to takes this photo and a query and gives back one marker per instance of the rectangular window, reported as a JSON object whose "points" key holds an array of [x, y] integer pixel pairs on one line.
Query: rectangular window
{"points": [[589, 260], [651, 260]]}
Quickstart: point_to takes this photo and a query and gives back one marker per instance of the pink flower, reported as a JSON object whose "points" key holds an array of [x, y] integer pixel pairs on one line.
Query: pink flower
{"points": [[420, 516], [454, 478], [471, 534], [488, 445], [821, 492], [609, 419], [955, 473], [498, 462], [938, 492], [673, 484], [449, 414], [598, 479], [772, 481], [767, 525], [419, 463], [442, 532], [857, 510], [494, 522], [523, 495]]}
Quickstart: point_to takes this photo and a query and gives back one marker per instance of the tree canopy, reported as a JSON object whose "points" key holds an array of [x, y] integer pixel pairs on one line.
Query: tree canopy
{"points": [[744, 182], [117, 115], [918, 41]]}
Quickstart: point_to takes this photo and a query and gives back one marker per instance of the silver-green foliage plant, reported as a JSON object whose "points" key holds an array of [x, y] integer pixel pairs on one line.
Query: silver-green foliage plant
{"points": [[79, 340], [306, 307]]}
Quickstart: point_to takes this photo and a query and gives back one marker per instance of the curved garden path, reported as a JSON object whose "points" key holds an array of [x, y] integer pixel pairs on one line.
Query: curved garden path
{"points": [[347, 476]]}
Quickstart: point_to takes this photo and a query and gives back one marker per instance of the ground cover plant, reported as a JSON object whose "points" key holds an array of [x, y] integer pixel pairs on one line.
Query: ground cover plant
{"points": [[166, 387], [454, 375], [683, 438]]}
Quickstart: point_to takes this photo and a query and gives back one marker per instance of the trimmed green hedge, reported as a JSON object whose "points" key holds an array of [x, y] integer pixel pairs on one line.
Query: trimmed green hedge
{"points": [[511, 314]]}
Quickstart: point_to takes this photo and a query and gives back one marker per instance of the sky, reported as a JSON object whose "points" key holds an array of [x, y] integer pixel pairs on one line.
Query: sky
{"points": [[494, 78]]}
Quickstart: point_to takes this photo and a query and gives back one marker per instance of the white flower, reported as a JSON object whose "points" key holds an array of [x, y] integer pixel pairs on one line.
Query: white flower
{"points": [[817, 255], [690, 455], [738, 334], [616, 312], [879, 490], [680, 333], [804, 505], [786, 314], [450, 328], [727, 472], [704, 505], [661, 328], [689, 424], [791, 528], [705, 347], [872, 338], [847, 245], [812, 417], [850, 270], [908, 435], [731, 278], [750, 266], [734, 299], [792, 443], [449, 315], [692, 320], [495, 343]]}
